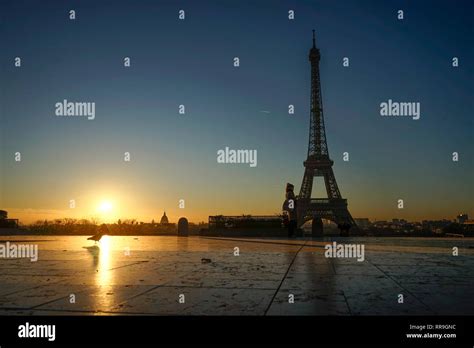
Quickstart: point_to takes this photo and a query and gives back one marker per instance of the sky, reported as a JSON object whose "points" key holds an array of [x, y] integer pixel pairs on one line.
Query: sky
{"points": [[190, 62]]}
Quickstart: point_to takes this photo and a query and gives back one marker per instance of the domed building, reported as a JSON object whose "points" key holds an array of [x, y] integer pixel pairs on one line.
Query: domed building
{"points": [[165, 227], [164, 219]]}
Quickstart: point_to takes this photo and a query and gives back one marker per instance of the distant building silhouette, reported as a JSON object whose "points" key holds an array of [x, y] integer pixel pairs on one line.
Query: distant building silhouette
{"points": [[183, 227], [5, 222], [245, 225], [363, 223], [164, 219], [462, 218]]}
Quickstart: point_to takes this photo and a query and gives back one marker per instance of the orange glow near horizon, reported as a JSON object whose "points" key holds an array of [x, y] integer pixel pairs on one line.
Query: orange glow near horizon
{"points": [[107, 203]]}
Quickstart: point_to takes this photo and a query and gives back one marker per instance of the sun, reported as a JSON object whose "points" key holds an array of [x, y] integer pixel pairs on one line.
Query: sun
{"points": [[105, 207], [107, 210]]}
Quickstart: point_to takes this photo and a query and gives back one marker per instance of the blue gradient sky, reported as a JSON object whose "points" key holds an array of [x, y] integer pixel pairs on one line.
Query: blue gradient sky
{"points": [[190, 62]]}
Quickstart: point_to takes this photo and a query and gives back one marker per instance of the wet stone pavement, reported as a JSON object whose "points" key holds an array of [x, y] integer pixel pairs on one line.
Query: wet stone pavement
{"points": [[171, 276]]}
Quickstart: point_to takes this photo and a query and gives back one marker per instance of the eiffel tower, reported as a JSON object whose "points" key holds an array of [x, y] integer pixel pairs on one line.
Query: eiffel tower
{"points": [[318, 164]]}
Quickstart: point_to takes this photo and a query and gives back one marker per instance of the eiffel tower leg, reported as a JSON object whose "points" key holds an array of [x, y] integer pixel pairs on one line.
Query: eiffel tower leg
{"points": [[307, 185], [331, 185], [317, 227]]}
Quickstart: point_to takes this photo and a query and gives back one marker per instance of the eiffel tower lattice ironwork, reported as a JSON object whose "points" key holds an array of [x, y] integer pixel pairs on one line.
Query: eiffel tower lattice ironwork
{"points": [[318, 164]]}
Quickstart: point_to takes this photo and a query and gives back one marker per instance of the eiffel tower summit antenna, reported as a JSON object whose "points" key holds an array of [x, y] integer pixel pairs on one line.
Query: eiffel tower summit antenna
{"points": [[318, 164]]}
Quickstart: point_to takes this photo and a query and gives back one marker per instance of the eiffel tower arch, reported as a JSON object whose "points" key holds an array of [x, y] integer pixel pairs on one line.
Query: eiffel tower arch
{"points": [[318, 164]]}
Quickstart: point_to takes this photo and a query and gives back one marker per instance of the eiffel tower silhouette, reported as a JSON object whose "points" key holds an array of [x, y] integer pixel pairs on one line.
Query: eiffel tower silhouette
{"points": [[318, 164]]}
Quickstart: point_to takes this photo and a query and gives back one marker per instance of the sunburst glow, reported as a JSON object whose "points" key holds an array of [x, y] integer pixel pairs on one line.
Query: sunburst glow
{"points": [[105, 207]]}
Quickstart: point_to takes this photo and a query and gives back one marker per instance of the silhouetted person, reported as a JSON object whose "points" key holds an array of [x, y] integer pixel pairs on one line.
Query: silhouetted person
{"points": [[103, 230], [289, 206]]}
